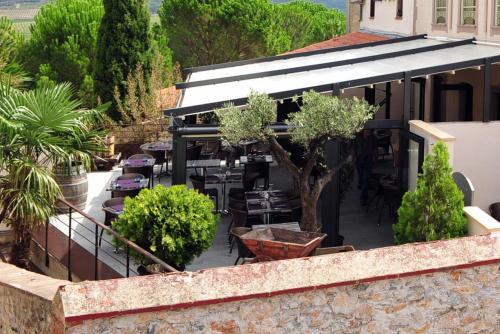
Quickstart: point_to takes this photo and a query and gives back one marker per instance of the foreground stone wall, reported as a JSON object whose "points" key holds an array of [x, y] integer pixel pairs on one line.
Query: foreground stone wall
{"points": [[25, 301], [440, 287], [456, 301]]}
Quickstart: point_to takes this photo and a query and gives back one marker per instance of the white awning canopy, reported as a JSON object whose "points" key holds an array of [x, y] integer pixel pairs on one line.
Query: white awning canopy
{"points": [[281, 77]]}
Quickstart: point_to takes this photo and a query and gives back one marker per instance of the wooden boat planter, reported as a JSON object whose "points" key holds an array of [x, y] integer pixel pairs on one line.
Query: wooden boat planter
{"points": [[280, 244]]}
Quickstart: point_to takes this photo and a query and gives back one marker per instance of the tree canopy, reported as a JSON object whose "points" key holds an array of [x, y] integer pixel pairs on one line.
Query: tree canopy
{"points": [[123, 43], [64, 36], [10, 43], [320, 118], [300, 23], [214, 31]]}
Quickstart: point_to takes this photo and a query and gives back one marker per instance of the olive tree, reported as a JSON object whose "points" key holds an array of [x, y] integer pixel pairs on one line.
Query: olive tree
{"points": [[320, 118]]}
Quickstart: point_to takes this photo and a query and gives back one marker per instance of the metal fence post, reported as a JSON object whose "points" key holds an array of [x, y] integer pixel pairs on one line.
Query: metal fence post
{"points": [[69, 244]]}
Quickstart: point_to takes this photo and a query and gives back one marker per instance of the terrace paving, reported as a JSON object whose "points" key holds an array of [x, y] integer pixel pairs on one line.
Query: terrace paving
{"points": [[357, 226]]}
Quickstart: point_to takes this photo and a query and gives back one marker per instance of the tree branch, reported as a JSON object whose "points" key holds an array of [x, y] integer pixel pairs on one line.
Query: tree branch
{"points": [[313, 154], [327, 178], [283, 158]]}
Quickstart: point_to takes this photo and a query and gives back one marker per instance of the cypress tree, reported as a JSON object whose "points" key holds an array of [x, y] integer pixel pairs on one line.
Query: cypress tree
{"points": [[434, 210], [122, 43]]}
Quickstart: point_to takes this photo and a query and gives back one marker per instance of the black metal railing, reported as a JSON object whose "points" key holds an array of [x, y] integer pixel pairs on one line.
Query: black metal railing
{"points": [[89, 230]]}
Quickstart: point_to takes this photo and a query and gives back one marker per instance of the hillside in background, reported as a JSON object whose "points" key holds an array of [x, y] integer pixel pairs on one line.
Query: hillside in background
{"points": [[338, 4]]}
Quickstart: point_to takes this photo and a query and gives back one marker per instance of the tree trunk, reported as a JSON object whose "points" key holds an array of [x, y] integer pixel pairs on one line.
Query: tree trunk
{"points": [[20, 254], [309, 220]]}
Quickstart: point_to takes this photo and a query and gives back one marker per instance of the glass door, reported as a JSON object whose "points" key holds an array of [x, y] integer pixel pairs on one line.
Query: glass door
{"points": [[412, 159]]}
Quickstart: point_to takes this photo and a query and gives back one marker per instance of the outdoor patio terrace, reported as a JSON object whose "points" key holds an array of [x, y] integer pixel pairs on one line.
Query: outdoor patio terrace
{"points": [[358, 226]]}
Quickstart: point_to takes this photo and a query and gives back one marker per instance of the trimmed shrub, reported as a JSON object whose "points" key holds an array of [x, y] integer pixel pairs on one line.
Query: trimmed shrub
{"points": [[434, 210], [175, 223]]}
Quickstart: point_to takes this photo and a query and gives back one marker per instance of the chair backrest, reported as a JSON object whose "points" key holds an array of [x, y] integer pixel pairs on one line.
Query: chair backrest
{"points": [[159, 156], [261, 168], [249, 179], [193, 152], [495, 210], [239, 216], [140, 156], [113, 201], [198, 182], [237, 204], [130, 176], [237, 232]]}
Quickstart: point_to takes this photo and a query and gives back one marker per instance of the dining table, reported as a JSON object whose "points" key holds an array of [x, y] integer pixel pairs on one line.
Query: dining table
{"points": [[128, 185], [255, 158], [267, 202], [116, 209], [147, 163]]}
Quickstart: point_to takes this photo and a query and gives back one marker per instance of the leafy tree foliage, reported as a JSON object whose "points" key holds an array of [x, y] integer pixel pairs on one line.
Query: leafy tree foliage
{"points": [[175, 223], [300, 23], [214, 31], [320, 117], [123, 43], [64, 36], [434, 210], [10, 43]]}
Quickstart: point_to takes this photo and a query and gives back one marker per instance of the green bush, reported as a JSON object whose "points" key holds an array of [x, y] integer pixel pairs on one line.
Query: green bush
{"points": [[175, 223], [434, 210]]}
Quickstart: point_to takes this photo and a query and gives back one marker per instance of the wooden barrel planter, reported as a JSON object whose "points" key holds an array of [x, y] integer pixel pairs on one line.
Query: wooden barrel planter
{"points": [[74, 185]]}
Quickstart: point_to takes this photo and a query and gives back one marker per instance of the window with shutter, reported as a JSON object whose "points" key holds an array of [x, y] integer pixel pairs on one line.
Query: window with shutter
{"points": [[468, 12], [440, 11]]}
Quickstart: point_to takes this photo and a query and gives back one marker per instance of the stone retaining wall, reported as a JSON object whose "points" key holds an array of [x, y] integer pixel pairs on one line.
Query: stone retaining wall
{"points": [[440, 287], [26, 301]]}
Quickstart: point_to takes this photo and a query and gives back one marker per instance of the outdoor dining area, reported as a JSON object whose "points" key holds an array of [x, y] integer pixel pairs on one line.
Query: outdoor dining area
{"points": [[238, 179]]}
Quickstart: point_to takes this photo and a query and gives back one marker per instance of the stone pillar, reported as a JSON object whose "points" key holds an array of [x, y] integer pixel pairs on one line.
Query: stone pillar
{"points": [[353, 15]]}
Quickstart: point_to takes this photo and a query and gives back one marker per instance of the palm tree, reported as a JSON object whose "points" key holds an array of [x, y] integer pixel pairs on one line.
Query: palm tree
{"points": [[40, 128]]}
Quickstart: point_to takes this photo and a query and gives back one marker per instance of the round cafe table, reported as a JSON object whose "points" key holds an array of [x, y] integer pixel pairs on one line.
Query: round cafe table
{"points": [[159, 150]]}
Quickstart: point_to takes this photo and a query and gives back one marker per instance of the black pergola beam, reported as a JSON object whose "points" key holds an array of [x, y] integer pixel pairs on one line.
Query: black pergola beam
{"points": [[407, 98], [323, 65], [300, 54], [179, 146], [487, 90]]}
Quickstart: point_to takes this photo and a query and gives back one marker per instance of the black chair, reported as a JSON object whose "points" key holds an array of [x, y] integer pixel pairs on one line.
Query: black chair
{"points": [[261, 168], [248, 180], [495, 210], [198, 182], [127, 192], [193, 152], [239, 207], [243, 251], [147, 171], [294, 216], [160, 157], [109, 216]]}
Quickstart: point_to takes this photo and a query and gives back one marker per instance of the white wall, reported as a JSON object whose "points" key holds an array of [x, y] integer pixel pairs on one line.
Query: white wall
{"points": [[477, 155], [385, 17], [483, 30]]}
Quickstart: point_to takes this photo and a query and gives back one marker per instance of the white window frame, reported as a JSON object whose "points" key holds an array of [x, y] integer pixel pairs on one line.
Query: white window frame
{"points": [[436, 8], [462, 11]]}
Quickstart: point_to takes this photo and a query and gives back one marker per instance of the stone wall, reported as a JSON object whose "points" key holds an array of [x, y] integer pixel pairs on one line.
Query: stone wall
{"points": [[440, 287], [25, 301], [458, 301]]}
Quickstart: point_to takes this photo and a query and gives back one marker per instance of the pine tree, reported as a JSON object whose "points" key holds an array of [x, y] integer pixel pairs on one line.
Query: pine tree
{"points": [[123, 43], [434, 210]]}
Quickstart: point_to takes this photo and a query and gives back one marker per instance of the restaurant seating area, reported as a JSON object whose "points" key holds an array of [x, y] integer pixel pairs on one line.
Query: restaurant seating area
{"points": [[249, 191]]}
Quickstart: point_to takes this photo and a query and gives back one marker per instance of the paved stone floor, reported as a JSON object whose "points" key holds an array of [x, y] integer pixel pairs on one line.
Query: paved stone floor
{"points": [[357, 226]]}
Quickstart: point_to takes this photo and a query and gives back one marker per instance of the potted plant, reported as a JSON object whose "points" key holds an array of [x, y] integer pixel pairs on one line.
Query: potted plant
{"points": [[434, 210], [175, 223]]}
